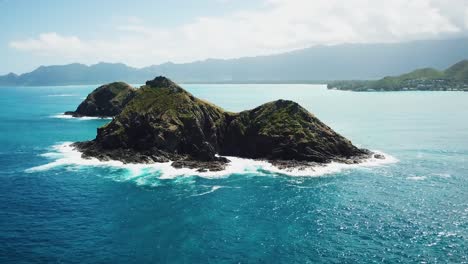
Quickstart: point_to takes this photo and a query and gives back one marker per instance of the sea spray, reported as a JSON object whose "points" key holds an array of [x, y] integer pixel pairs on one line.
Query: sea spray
{"points": [[65, 154]]}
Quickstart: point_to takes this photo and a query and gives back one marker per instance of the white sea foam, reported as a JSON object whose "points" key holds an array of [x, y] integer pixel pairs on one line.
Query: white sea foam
{"points": [[213, 189], [443, 175], [416, 178], [61, 95], [63, 116], [65, 155]]}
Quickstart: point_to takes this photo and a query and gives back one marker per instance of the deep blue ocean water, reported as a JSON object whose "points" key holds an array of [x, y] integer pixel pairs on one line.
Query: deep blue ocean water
{"points": [[411, 211]]}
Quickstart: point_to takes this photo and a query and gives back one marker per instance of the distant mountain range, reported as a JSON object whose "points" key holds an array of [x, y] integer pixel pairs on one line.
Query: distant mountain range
{"points": [[454, 78], [315, 64]]}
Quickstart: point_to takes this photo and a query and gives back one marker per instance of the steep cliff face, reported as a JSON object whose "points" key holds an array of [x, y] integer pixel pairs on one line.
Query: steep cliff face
{"points": [[164, 122], [106, 101]]}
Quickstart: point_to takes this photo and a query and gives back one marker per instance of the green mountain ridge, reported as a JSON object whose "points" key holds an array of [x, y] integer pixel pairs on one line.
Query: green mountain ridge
{"points": [[453, 78], [458, 71]]}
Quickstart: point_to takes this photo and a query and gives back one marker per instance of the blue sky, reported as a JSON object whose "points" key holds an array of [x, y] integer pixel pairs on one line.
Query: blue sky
{"points": [[141, 33]]}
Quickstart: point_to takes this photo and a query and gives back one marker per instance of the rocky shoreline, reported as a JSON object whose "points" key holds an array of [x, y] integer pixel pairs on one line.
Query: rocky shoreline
{"points": [[220, 164], [129, 156]]}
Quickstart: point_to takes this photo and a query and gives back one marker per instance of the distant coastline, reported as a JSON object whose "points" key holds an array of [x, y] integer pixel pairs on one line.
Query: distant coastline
{"points": [[454, 78]]}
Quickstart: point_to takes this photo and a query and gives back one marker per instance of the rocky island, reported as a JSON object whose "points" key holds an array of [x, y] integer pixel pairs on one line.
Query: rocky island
{"points": [[455, 78], [162, 122]]}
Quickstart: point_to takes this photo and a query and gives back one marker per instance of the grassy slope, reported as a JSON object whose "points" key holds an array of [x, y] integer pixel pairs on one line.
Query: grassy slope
{"points": [[458, 71]]}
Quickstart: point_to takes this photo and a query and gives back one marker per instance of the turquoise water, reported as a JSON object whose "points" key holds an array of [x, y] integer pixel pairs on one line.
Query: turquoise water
{"points": [[414, 210]]}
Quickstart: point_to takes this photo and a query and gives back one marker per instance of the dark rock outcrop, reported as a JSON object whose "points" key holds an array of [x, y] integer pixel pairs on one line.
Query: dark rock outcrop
{"points": [[379, 156], [283, 130], [163, 122], [105, 101]]}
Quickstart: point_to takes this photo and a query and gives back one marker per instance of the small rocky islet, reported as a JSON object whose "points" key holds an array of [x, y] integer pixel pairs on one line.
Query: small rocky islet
{"points": [[162, 122], [105, 101]]}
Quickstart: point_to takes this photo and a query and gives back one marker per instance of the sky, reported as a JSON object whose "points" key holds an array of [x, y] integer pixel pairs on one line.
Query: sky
{"points": [[147, 32]]}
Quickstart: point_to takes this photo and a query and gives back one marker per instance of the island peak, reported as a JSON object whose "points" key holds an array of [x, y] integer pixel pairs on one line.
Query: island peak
{"points": [[105, 101], [163, 82]]}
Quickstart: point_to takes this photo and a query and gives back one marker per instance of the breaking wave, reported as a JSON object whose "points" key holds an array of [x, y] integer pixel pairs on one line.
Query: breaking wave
{"points": [[63, 116], [65, 155]]}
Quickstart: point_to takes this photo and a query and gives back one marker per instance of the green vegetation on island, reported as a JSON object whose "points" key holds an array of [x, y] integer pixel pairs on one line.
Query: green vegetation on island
{"points": [[163, 122], [455, 78]]}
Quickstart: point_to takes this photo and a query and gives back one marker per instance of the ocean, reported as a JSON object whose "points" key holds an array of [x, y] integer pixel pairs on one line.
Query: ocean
{"points": [[411, 208]]}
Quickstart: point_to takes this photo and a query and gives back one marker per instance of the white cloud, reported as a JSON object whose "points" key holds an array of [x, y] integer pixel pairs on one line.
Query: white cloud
{"points": [[134, 20], [280, 26], [466, 17], [51, 44]]}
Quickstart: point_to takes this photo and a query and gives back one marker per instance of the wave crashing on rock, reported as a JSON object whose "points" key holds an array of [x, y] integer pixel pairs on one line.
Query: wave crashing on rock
{"points": [[65, 155]]}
